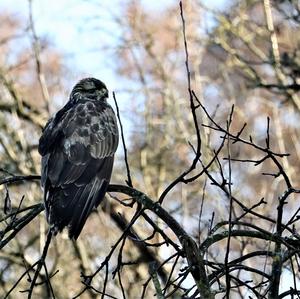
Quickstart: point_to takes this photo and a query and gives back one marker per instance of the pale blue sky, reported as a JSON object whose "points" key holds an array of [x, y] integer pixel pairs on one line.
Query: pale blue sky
{"points": [[69, 24]]}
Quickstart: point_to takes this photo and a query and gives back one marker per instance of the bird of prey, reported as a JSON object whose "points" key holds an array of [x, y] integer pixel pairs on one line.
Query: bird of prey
{"points": [[77, 147]]}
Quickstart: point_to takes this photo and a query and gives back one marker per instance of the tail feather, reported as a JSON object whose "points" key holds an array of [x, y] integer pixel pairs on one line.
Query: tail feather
{"points": [[80, 216], [72, 207], [69, 205]]}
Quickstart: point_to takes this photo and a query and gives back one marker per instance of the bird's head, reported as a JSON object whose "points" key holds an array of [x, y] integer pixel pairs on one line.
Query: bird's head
{"points": [[89, 88]]}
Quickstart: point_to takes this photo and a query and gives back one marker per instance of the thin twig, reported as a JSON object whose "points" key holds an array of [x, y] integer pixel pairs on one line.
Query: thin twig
{"points": [[40, 264], [193, 107], [129, 180], [36, 50]]}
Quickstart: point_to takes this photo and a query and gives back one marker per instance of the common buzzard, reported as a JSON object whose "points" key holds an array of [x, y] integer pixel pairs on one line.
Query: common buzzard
{"points": [[77, 148]]}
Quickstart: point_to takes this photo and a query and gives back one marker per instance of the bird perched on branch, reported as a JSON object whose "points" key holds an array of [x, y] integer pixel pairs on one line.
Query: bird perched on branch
{"points": [[77, 147]]}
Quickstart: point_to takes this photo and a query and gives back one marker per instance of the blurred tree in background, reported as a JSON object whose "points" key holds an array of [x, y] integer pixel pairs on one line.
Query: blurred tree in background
{"points": [[211, 124]]}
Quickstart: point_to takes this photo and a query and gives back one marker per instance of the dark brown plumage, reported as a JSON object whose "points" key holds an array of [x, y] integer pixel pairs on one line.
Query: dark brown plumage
{"points": [[77, 148]]}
